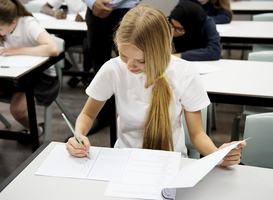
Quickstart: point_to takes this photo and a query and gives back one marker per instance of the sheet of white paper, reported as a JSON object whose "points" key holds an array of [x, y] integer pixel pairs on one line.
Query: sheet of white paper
{"points": [[223, 27], [104, 164], [192, 173], [204, 68], [146, 174], [19, 60], [42, 16]]}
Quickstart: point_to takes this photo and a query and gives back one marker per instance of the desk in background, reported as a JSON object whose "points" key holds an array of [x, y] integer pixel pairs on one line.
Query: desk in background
{"points": [[251, 7], [247, 32], [240, 82], [236, 182], [13, 78]]}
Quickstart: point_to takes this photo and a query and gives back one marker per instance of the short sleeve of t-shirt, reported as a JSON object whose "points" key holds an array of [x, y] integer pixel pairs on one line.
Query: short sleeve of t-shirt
{"points": [[102, 86], [194, 96], [34, 29]]}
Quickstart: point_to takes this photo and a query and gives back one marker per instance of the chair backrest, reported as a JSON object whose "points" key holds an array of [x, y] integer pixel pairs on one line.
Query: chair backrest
{"points": [[263, 17], [259, 150], [187, 138], [59, 65], [266, 56]]}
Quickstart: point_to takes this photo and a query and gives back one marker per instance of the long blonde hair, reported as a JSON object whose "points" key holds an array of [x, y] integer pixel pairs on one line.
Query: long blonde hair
{"points": [[224, 4], [9, 11], [148, 29]]}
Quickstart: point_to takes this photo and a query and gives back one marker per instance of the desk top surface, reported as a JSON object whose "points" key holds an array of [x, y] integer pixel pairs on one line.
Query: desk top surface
{"points": [[252, 5], [14, 72], [236, 182], [248, 29], [249, 78]]}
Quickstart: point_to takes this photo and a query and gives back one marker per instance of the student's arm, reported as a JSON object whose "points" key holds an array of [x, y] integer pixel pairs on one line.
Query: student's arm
{"points": [[47, 9], [83, 124], [47, 47], [203, 144], [223, 17], [211, 40]]}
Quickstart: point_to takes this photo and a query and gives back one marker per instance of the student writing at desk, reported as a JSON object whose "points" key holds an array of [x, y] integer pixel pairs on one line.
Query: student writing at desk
{"points": [[152, 89], [22, 35], [195, 34]]}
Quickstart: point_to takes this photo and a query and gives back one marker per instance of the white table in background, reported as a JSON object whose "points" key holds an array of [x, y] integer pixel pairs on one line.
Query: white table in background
{"points": [[251, 7]]}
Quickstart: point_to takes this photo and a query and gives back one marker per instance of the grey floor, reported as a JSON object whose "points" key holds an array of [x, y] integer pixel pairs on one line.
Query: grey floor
{"points": [[12, 153]]}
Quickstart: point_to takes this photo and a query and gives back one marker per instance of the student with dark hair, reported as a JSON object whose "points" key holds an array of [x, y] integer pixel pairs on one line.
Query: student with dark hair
{"points": [[195, 34], [218, 10]]}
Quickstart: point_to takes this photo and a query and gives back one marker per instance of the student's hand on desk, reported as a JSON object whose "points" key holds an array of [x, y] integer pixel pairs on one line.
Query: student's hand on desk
{"points": [[76, 149], [8, 51], [60, 14], [234, 156], [79, 18], [100, 10]]}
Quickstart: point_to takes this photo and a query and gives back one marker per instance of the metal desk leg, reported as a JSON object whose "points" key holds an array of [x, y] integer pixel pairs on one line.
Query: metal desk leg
{"points": [[32, 120]]}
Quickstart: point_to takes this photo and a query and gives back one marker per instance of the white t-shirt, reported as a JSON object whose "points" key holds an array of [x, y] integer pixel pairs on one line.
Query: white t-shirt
{"points": [[132, 99], [25, 34], [74, 6]]}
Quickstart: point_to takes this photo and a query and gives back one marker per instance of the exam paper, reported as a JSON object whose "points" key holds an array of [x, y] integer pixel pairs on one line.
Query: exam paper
{"points": [[223, 27], [19, 61], [104, 164], [204, 68], [146, 174]]}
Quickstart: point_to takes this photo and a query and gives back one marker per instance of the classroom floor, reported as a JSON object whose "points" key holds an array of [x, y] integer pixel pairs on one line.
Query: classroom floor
{"points": [[12, 153]]}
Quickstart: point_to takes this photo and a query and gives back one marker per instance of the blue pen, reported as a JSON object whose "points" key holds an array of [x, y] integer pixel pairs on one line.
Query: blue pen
{"points": [[4, 66], [73, 132]]}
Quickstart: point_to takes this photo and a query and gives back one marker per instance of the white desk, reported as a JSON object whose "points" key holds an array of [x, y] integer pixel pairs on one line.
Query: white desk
{"points": [[13, 78], [240, 82], [236, 182], [251, 7], [248, 32]]}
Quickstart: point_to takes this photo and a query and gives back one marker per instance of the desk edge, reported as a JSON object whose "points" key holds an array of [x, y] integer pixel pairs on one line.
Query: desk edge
{"points": [[14, 174]]}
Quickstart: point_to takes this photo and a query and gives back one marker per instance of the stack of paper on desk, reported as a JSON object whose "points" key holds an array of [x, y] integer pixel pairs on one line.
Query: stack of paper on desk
{"points": [[19, 61], [134, 173]]}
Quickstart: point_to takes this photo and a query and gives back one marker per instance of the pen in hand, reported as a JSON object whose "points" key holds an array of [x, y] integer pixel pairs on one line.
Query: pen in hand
{"points": [[68, 123]]}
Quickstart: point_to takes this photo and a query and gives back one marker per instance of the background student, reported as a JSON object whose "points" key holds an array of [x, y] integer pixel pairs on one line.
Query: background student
{"points": [[195, 34], [102, 18], [152, 90], [22, 35], [53, 8], [218, 10]]}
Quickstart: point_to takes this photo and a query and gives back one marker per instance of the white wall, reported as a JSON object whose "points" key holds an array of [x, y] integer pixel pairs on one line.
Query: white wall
{"points": [[164, 5]]}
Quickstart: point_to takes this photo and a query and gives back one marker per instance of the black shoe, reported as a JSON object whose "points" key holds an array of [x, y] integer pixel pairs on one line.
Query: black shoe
{"points": [[27, 132], [85, 82], [97, 126], [73, 82]]}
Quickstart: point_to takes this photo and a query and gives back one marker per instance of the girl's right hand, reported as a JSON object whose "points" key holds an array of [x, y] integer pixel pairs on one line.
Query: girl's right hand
{"points": [[77, 150], [60, 14]]}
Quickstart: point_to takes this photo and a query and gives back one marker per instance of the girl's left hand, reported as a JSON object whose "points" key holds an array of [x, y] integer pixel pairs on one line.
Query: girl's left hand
{"points": [[234, 156]]}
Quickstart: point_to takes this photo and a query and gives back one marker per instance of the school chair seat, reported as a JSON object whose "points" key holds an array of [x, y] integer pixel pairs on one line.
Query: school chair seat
{"points": [[48, 108], [259, 150], [239, 120], [192, 152]]}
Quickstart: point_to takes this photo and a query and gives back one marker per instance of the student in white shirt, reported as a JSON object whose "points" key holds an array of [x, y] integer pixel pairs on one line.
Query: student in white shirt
{"points": [[152, 89], [52, 8], [22, 35]]}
